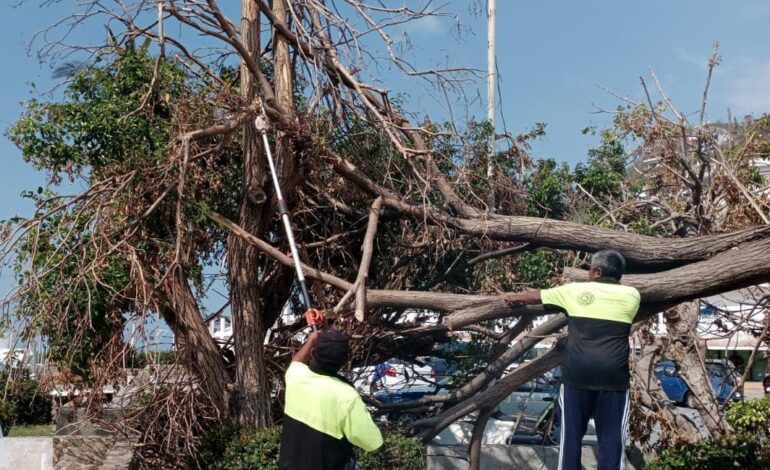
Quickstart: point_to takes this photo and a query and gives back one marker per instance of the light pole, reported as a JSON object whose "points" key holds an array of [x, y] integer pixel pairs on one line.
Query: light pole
{"points": [[491, 82]]}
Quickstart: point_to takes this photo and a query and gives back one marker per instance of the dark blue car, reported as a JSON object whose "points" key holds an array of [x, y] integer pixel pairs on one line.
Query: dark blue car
{"points": [[721, 374]]}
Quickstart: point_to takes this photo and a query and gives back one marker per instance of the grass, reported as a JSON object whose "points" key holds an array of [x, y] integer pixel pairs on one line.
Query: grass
{"points": [[43, 430]]}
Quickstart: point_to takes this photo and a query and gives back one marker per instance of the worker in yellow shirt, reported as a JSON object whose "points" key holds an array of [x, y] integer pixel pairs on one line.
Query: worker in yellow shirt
{"points": [[595, 374], [324, 417]]}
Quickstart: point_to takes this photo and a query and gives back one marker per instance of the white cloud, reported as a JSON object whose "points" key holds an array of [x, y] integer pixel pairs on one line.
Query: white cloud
{"points": [[700, 61], [755, 10], [749, 91], [742, 84], [425, 25]]}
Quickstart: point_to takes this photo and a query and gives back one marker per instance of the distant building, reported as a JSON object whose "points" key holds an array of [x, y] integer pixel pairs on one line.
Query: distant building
{"points": [[220, 326], [12, 357]]}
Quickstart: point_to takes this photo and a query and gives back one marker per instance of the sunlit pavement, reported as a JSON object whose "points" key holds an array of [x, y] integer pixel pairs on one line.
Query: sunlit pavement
{"points": [[753, 390]]}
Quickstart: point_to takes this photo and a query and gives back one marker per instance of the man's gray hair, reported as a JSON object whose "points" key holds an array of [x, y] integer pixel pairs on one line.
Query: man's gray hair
{"points": [[611, 262]]}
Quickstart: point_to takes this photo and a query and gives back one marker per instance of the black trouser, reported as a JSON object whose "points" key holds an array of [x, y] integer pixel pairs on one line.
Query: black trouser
{"points": [[609, 409]]}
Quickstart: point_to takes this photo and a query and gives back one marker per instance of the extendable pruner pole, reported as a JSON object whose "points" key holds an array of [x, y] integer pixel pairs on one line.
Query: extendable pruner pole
{"points": [[313, 316]]}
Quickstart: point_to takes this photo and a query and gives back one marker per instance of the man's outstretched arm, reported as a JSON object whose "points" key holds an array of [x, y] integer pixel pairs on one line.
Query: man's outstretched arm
{"points": [[520, 299], [303, 355]]}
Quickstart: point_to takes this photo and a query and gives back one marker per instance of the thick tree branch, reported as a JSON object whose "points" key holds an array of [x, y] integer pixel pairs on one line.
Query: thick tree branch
{"points": [[366, 258], [650, 253], [492, 396]]}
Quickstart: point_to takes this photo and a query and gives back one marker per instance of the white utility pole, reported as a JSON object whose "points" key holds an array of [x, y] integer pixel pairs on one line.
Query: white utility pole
{"points": [[491, 83]]}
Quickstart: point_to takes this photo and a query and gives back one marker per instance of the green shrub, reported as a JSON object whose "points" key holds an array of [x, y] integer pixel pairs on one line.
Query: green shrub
{"points": [[6, 416], [398, 452], [142, 359], [751, 417], [231, 448], [745, 448], [23, 403], [710, 455], [213, 446]]}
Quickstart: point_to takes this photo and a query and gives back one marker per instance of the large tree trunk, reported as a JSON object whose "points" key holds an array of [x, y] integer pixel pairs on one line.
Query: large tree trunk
{"points": [[196, 345], [252, 386], [685, 349], [284, 92], [651, 407]]}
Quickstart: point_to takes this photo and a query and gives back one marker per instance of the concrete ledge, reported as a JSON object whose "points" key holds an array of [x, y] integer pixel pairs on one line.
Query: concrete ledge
{"points": [[26, 453], [514, 457]]}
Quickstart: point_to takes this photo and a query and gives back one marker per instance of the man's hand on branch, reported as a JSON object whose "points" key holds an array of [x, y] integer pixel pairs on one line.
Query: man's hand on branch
{"points": [[522, 299], [513, 300]]}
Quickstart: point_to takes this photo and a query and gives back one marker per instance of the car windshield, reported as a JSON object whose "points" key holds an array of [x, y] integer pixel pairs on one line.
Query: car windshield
{"points": [[539, 385], [720, 370]]}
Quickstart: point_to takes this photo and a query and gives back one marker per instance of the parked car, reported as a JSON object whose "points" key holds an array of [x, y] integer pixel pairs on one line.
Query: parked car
{"points": [[395, 375], [403, 418], [529, 415], [497, 431], [721, 374], [530, 398]]}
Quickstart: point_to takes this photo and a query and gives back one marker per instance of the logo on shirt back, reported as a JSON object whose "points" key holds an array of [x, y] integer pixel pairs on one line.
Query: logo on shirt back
{"points": [[585, 298]]}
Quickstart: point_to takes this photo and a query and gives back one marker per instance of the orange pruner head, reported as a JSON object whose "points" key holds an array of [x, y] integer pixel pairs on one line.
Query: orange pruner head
{"points": [[314, 317]]}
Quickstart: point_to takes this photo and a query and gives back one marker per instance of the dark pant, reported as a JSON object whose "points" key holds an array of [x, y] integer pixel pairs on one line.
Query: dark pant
{"points": [[610, 413]]}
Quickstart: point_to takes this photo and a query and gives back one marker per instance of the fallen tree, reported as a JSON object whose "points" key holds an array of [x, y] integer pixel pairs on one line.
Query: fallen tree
{"points": [[391, 213]]}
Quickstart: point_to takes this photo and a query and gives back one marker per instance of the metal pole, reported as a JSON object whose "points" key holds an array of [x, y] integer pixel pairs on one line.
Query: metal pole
{"points": [[283, 209], [491, 83]]}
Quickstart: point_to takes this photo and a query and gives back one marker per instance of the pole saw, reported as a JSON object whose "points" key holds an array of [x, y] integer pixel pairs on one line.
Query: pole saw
{"points": [[312, 316]]}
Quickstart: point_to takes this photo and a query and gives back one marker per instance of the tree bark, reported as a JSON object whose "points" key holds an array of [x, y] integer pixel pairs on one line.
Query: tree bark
{"points": [[252, 407], [685, 349], [196, 345], [477, 437], [284, 92], [648, 394]]}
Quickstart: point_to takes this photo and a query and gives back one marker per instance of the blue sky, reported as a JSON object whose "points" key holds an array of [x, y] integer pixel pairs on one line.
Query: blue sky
{"points": [[553, 59]]}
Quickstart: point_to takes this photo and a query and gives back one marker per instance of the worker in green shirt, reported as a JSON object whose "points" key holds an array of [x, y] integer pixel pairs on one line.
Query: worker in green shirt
{"points": [[595, 374], [324, 417]]}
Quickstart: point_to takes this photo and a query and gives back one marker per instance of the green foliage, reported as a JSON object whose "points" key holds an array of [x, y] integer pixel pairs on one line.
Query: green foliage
{"points": [[233, 448], [24, 403], [93, 302], [398, 452], [751, 417], [6, 416], [248, 450], [213, 446], [144, 358], [536, 268], [709, 456], [746, 448], [547, 188], [101, 119], [642, 226], [605, 171], [115, 123]]}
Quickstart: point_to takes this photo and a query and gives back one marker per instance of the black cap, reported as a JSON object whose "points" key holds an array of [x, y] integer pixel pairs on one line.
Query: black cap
{"points": [[331, 350]]}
